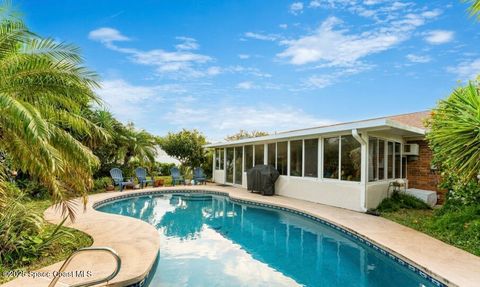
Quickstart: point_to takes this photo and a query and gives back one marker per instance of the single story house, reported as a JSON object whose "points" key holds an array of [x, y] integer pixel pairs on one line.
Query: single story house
{"points": [[348, 165]]}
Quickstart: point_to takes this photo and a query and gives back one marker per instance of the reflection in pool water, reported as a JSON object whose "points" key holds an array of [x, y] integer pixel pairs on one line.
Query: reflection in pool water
{"points": [[210, 241]]}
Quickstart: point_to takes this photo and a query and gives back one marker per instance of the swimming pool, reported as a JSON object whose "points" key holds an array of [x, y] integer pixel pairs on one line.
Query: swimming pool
{"points": [[210, 240]]}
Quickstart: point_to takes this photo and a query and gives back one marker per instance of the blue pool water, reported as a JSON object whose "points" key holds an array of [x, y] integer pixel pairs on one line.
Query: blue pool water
{"points": [[208, 240]]}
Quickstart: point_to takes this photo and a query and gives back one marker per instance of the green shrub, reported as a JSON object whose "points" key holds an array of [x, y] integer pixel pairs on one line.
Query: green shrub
{"points": [[401, 201], [101, 183], [163, 168], [454, 138], [32, 188], [22, 233]]}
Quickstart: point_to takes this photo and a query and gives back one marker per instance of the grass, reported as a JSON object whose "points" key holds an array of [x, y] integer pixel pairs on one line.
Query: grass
{"points": [[59, 250], [458, 226]]}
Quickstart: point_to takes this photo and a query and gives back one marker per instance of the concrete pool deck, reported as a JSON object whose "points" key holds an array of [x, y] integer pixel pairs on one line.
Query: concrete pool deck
{"points": [[137, 242]]}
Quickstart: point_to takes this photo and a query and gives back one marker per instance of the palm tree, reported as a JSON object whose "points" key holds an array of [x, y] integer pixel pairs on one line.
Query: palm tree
{"points": [[138, 145], [474, 8], [44, 90], [455, 133]]}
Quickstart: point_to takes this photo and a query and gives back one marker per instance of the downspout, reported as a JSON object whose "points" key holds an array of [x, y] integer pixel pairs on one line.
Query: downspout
{"points": [[363, 168]]}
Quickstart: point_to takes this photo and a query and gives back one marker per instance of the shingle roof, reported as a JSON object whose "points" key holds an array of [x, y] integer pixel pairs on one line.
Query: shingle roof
{"points": [[412, 119]]}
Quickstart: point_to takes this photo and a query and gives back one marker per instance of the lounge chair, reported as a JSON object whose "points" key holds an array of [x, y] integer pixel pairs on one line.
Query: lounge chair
{"points": [[176, 177], [199, 176], [141, 174], [117, 177]]}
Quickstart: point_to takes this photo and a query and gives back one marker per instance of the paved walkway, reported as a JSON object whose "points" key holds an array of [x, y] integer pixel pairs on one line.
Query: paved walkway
{"points": [[137, 242]]}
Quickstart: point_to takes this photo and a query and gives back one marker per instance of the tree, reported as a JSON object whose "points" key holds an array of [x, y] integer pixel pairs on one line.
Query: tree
{"points": [[474, 8], [454, 138], [139, 145], [243, 134], [126, 144], [186, 146], [44, 90]]}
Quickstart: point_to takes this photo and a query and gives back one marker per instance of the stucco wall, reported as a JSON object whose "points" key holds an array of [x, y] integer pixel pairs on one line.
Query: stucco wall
{"points": [[335, 193], [219, 176], [376, 192]]}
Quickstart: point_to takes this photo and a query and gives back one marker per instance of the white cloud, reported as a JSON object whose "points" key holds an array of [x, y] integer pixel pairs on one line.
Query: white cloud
{"points": [[418, 58], [296, 8], [283, 26], [244, 56], [262, 37], [187, 44], [438, 37], [314, 4], [335, 46], [324, 80], [247, 85], [230, 119], [107, 35], [341, 47], [128, 101], [181, 63], [467, 70]]}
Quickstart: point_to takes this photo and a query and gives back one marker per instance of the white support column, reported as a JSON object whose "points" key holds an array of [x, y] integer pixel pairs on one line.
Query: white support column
{"points": [[303, 159], [320, 158], [363, 140], [234, 164], [253, 152], [288, 158], [214, 164], [265, 153]]}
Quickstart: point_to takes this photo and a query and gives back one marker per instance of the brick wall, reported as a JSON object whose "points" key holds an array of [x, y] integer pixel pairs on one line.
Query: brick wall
{"points": [[419, 173]]}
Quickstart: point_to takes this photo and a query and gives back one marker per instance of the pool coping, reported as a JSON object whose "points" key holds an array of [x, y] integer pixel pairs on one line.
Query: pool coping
{"points": [[444, 264], [398, 258]]}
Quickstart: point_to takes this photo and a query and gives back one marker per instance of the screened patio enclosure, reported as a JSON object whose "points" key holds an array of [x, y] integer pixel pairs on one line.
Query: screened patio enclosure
{"points": [[346, 165]]}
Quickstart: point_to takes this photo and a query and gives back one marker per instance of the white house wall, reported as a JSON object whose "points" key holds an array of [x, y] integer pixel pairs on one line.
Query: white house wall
{"points": [[219, 176], [330, 192]]}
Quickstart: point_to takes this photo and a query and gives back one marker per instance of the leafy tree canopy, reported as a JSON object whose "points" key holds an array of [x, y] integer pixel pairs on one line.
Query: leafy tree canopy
{"points": [[186, 146], [243, 134]]}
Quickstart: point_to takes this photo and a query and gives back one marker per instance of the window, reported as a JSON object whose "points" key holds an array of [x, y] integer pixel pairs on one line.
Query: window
{"points": [[381, 159], [271, 154], [229, 164], [238, 164], [296, 156], [330, 157], [372, 159], [390, 160], [282, 158], [218, 158], [248, 157], [311, 158], [404, 167], [398, 161], [259, 154], [350, 159]]}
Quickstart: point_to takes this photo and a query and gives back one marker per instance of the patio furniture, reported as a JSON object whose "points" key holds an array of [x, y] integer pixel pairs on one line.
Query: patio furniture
{"points": [[141, 174], [117, 177], [199, 176], [176, 176]]}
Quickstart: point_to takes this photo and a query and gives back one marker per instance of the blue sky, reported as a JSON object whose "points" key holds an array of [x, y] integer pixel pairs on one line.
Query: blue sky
{"points": [[219, 66]]}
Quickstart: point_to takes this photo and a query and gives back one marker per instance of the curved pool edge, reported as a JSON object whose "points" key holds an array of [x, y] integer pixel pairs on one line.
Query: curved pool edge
{"points": [[136, 242], [398, 258], [444, 263]]}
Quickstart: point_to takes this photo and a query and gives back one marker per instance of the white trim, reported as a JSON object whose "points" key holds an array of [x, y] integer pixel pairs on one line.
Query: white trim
{"points": [[383, 123], [303, 158], [288, 158]]}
